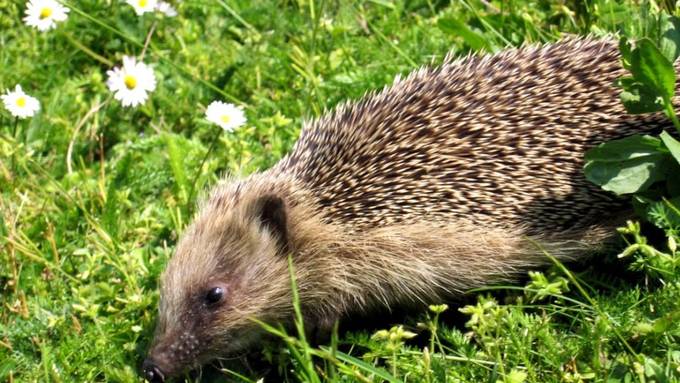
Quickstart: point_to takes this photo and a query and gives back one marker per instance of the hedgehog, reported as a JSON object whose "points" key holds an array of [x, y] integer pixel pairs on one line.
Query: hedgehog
{"points": [[455, 177]]}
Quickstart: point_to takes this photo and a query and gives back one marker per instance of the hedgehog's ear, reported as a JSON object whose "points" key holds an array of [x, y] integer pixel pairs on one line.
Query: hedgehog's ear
{"points": [[271, 212]]}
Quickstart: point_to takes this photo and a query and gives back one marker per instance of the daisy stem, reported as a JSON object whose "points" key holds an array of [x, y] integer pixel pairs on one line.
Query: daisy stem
{"points": [[16, 123], [14, 154], [200, 168], [148, 39]]}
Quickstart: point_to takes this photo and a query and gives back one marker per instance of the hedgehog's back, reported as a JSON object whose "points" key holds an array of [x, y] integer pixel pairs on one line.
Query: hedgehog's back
{"points": [[495, 139]]}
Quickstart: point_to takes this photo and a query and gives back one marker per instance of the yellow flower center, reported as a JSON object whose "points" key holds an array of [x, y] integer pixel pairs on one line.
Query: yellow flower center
{"points": [[21, 102], [130, 81], [45, 13], [142, 3], [225, 119]]}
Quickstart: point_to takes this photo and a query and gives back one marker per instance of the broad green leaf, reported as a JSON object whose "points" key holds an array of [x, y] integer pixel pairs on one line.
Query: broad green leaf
{"points": [[632, 147], [638, 98], [457, 28], [630, 177], [625, 166], [672, 144], [651, 68], [669, 41]]}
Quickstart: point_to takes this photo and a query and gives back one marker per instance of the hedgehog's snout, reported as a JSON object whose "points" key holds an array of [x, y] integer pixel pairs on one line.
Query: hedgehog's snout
{"points": [[152, 372], [169, 356]]}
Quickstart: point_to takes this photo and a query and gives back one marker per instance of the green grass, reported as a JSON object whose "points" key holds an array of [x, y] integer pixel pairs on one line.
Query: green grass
{"points": [[93, 196]]}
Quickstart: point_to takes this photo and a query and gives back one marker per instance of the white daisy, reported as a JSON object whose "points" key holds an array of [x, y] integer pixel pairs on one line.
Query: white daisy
{"points": [[143, 6], [131, 83], [227, 116], [19, 103], [44, 14], [166, 8]]}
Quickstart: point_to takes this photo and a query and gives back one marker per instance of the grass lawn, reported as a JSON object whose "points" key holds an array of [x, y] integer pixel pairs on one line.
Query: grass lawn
{"points": [[93, 195]]}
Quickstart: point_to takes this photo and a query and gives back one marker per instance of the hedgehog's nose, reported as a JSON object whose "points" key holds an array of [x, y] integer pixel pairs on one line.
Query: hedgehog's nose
{"points": [[152, 372]]}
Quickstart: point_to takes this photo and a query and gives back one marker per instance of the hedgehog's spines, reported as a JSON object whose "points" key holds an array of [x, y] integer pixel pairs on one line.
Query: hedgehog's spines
{"points": [[461, 140]]}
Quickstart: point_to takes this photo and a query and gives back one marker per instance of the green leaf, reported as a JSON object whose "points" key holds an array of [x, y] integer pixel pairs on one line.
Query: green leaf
{"points": [[669, 43], [7, 367], [176, 159], [625, 166], [632, 147], [619, 373], [661, 325], [672, 144], [651, 68], [457, 28], [626, 49], [638, 98], [514, 376], [663, 214], [379, 372], [654, 370]]}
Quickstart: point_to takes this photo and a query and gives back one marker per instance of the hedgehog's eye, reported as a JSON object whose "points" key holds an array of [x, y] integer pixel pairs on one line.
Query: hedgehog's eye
{"points": [[214, 295]]}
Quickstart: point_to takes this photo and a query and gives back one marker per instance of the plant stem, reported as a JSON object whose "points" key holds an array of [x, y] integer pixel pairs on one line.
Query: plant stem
{"points": [[200, 168], [238, 17], [394, 362], [670, 112], [16, 123], [87, 50], [148, 39], [14, 154]]}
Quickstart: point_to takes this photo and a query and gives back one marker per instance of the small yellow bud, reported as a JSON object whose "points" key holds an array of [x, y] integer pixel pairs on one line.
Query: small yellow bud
{"points": [[672, 245]]}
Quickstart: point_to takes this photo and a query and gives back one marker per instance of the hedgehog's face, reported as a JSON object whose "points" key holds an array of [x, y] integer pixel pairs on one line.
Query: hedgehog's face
{"points": [[230, 267]]}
